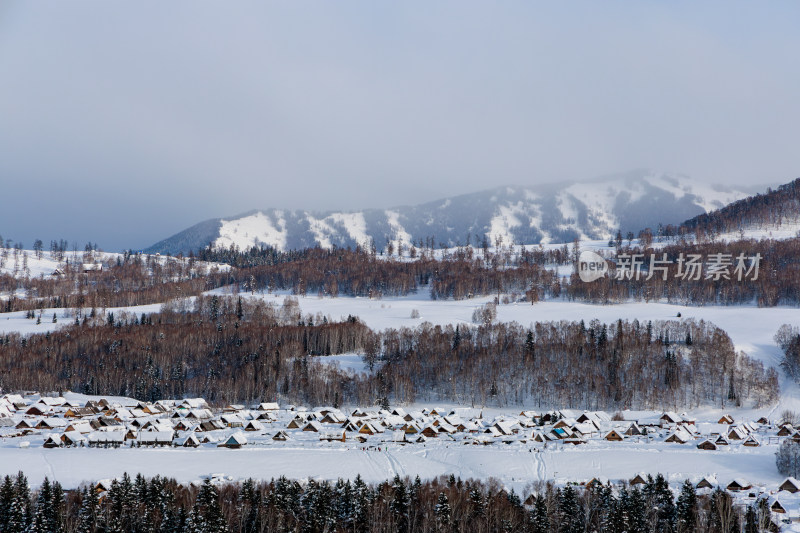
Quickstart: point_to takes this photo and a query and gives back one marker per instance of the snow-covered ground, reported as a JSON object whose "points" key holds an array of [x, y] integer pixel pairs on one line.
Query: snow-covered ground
{"points": [[349, 362], [17, 323], [45, 265], [516, 465]]}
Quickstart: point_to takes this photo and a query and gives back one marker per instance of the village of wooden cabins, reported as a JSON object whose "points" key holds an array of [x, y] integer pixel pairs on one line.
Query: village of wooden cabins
{"points": [[57, 422]]}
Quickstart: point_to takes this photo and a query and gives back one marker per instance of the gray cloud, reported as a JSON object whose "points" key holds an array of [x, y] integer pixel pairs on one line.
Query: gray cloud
{"points": [[123, 124]]}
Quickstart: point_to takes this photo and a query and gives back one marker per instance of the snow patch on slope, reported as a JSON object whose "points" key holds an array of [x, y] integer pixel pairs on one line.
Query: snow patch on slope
{"points": [[355, 226], [321, 230], [253, 229], [401, 236], [501, 224]]}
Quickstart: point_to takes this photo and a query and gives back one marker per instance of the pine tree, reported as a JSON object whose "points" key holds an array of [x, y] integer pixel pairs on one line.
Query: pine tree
{"points": [[361, 503], [456, 340], [476, 503], [751, 521], [636, 510], [57, 505], [530, 347], [89, 511], [540, 520], [616, 520], [664, 503], [569, 511], [442, 512], [6, 496], [17, 512], [206, 515], [43, 510], [399, 505], [214, 309], [249, 501], [687, 508]]}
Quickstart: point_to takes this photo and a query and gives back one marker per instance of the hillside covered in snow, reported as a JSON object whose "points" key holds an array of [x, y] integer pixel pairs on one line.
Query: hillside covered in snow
{"points": [[594, 209]]}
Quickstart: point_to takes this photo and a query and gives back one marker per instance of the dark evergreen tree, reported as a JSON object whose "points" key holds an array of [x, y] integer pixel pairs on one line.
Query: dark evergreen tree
{"points": [[687, 508], [361, 502], [476, 504], [569, 511], [44, 515], [636, 511], [616, 520], [206, 515], [18, 512], [89, 512], [399, 505], [249, 502], [530, 347], [540, 522], [442, 512], [456, 340]]}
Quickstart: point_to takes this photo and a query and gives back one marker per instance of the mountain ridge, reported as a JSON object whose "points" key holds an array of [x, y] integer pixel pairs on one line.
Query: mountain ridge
{"points": [[591, 209]]}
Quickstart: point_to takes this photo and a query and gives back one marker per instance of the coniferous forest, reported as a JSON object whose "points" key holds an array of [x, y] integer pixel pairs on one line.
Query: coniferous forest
{"points": [[451, 504]]}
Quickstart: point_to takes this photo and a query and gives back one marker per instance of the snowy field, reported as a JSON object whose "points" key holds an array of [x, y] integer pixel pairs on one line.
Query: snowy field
{"points": [[514, 465]]}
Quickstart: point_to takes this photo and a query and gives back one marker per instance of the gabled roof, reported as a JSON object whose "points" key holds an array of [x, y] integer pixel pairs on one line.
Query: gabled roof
{"points": [[634, 429], [707, 482], [738, 484], [73, 437], [790, 484], [751, 440], [189, 441], [707, 444], [237, 439], [194, 403], [737, 433], [679, 435], [670, 417], [585, 428]]}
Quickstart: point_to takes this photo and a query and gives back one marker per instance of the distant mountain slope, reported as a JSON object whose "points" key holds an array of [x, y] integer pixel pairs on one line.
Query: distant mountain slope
{"points": [[593, 209], [775, 213]]}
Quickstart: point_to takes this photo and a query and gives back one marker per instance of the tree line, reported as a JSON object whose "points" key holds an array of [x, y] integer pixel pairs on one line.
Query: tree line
{"points": [[526, 274], [446, 504]]}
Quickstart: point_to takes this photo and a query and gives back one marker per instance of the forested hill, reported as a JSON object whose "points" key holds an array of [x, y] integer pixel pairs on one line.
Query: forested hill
{"points": [[775, 210]]}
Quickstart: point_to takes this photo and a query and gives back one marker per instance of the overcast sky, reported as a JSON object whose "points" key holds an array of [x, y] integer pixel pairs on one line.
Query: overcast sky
{"points": [[123, 123]]}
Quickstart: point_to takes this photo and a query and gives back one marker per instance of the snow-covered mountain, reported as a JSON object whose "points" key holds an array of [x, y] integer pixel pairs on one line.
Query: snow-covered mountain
{"points": [[593, 209]]}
